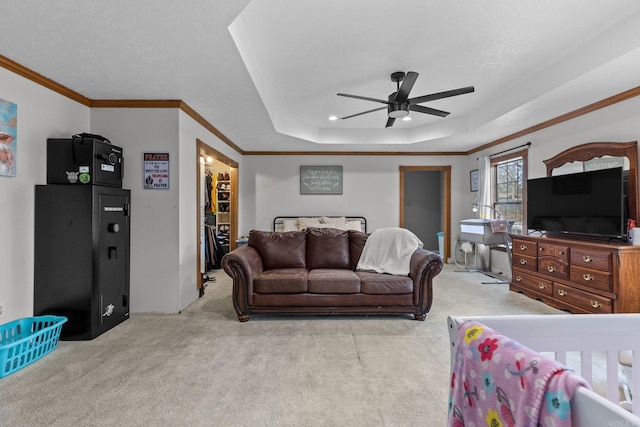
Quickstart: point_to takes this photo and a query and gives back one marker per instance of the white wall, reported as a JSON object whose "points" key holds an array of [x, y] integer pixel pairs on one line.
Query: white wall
{"points": [[371, 188], [42, 114], [154, 213], [164, 239], [271, 183]]}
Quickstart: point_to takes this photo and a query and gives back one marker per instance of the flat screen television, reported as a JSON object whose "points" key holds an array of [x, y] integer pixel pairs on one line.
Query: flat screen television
{"points": [[588, 203]]}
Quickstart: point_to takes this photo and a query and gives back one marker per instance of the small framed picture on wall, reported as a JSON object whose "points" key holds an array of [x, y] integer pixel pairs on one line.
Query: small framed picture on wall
{"points": [[473, 179]]}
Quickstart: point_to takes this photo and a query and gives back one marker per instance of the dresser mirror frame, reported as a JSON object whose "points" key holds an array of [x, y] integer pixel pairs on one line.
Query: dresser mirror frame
{"points": [[592, 150]]}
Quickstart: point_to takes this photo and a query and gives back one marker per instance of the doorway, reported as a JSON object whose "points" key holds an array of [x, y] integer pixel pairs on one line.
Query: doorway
{"points": [[217, 206], [425, 204]]}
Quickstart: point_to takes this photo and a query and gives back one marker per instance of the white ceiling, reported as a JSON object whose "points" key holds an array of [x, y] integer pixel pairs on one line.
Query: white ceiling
{"points": [[266, 72]]}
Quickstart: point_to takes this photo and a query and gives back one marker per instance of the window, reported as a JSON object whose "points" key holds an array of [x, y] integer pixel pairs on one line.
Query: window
{"points": [[509, 194]]}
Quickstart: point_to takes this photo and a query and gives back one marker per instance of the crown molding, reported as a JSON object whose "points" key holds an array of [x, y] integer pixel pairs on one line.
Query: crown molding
{"points": [[175, 103], [46, 82]]}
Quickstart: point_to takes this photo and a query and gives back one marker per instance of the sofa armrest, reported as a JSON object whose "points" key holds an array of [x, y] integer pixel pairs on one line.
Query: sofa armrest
{"points": [[243, 265], [425, 265]]}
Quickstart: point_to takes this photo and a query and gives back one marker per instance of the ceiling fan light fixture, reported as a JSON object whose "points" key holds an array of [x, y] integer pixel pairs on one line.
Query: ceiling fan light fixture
{"points": [[397, 111], [406, 118], [399, 103]]}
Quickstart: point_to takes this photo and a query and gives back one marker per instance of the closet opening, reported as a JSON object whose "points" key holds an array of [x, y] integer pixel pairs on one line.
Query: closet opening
{"points": [[217, 209], [425, 205]]}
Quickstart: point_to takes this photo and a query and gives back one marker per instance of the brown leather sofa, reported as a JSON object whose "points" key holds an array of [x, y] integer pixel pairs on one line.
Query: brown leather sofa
{"points": [[314, 272]]}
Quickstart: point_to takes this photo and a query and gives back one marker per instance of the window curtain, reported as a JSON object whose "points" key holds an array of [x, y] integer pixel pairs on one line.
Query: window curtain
{"points": [[484, 187]]}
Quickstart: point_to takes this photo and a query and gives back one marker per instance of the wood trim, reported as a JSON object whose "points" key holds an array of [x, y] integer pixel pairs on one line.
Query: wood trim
{"points": [[211, 128], [622, 96], [43, 81], [354, 153], [135, 103], [233, 207], [216, 154], [63, 90], [199, 225], [446, 202], [591, 150]]}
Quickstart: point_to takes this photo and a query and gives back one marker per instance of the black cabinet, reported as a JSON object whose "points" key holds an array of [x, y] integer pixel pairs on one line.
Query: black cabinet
{"points": [[82, 244]]}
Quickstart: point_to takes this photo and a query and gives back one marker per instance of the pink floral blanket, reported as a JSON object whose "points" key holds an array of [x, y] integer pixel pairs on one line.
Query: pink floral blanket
{"points": [[495, 381]]}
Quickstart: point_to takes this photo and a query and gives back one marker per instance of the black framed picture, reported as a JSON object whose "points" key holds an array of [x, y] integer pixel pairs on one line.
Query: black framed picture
{"points": [[473, 179]]}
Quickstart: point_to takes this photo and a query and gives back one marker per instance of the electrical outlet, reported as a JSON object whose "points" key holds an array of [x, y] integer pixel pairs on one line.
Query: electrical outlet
{"points": [[1, 309]]}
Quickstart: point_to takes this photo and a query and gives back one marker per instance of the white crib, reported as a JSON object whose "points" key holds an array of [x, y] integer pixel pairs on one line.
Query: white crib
{"points": [[586, 334]]}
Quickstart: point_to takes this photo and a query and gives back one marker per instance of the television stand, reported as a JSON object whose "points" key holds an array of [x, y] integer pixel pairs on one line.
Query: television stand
{"points": [[577, 275]]}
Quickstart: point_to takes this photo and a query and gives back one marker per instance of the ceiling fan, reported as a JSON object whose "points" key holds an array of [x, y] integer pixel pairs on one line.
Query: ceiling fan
{"points": [[399, 104]]}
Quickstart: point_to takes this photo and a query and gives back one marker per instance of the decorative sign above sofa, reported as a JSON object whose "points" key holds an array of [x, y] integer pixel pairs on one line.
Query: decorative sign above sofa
{"points": [[320, 179]]}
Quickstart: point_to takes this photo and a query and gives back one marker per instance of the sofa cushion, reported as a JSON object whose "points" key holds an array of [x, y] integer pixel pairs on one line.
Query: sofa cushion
{"points": [[384, 284], [357, 239], [281, 281], [327, 248], [333, 281], [279, 249]]}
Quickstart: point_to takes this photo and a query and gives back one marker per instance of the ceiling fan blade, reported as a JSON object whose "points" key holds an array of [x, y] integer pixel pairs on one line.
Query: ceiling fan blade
{"points": [[364, 98], [427, 110], [407, 85], [440, 95], [390, 121], [364, 112]]}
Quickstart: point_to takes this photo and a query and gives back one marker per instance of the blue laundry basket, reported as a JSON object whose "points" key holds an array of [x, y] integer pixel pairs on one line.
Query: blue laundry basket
{"points": [[24, 341]]}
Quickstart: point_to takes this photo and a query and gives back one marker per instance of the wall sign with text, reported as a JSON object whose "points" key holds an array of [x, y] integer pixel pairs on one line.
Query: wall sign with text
{"points": [[156, 171], [320, 179]]}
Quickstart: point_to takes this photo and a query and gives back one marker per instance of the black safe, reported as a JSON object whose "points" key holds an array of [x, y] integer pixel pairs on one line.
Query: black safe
{"points": [[82, 245], [84, 161]]}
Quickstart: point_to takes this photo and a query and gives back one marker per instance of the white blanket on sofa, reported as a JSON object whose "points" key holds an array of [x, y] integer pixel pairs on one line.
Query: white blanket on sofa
{"points": [[389, 250]]}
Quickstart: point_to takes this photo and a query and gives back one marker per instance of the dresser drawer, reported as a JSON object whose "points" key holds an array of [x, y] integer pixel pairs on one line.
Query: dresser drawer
{"points": [[555, 251], [582, 299], [592, 259], [553, 267], [593, 278], [542, 286], [525, 261], [524, 247]]}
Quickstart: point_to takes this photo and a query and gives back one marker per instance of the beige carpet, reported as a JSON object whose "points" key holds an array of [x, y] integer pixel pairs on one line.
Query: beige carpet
{"points": [[204, 368]]}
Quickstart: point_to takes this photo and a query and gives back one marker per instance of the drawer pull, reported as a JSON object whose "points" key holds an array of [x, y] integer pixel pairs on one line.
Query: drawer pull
{"points": [[518, 279], [542, 286], [562, 292], [551, 268], [587, 277], [587, 258], [523, 261], [596, 304], [523, 247]]}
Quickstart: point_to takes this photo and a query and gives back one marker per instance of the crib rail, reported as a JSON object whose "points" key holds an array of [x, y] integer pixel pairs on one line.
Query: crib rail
{"points": [[584, 334]]}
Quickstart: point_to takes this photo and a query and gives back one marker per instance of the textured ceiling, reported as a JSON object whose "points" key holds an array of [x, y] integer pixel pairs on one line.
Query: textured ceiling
{"points": [[266, 72]]}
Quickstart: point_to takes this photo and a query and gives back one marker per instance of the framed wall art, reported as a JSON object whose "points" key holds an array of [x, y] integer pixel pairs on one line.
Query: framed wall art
{"points": [[473, 179], [8, 138], [320, 179]]}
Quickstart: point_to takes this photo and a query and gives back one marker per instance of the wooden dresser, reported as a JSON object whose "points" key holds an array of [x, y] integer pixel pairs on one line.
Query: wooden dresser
{"points": [[576, 275]]}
